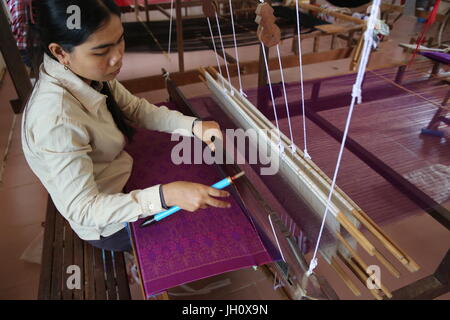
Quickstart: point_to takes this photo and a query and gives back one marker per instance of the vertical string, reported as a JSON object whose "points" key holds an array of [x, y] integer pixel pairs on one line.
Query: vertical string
{"points": [[293, 148], [215, 51], [305, 151], [272, 97], [276, 238], [170, 27], [224, 55], [356, 98], [241, 91]]}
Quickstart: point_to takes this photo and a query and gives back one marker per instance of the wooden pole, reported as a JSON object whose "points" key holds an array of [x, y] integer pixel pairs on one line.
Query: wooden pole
{"points": [[361, 264], [429, 287], [344, 276], [14, 63], [357, 54], [136, 9], [359, 273], [180, 45], [262, 75], [147, 13]]}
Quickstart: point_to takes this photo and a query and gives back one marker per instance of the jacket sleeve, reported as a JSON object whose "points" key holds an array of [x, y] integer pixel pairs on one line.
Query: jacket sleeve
{"points": [[142, 113], [63, 147]]}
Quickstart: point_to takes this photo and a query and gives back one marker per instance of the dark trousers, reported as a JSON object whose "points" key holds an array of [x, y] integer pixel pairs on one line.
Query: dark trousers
{"points": [[24, 55], [119, 241]]}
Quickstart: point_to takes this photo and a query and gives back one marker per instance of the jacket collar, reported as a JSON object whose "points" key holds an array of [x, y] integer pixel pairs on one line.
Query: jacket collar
{"points": [[89, 97]]}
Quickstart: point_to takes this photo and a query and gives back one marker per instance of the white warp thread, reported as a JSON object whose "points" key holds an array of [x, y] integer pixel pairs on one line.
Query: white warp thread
{"points": [[356, 97]]}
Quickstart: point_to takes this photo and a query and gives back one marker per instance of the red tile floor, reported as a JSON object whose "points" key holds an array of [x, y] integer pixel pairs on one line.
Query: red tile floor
{"points": [[23, 199]]}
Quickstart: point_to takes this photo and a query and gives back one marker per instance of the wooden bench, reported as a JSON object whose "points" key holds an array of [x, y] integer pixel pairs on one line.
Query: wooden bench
{"points": [[102, 273]]}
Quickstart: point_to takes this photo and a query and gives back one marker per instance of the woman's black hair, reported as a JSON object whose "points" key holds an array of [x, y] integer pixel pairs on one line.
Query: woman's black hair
{"points": [[51, 26]]}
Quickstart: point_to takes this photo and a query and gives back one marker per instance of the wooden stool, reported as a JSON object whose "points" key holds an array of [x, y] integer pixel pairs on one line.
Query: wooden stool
{"points": [[103, 274]]}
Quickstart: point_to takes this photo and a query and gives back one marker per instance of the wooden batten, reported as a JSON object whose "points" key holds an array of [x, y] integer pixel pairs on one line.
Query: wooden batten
{"points": [[152, 83], [355, 256], [344, 276], [388, 243]]}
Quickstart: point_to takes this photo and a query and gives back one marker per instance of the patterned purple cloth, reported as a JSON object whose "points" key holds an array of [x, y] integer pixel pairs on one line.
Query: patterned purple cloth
{"points": [[185, 247], [437, 56]]}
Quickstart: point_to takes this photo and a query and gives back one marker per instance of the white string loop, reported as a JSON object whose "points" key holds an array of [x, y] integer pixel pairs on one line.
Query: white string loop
{"points": [[356, 95]]}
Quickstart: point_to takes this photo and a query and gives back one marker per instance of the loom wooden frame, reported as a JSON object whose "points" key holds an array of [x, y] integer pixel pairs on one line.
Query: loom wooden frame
{"points": [[291, 285], [247, 116]]}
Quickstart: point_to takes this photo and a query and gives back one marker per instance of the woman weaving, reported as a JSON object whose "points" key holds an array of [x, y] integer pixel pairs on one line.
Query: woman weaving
{"points": [[79, 118]]}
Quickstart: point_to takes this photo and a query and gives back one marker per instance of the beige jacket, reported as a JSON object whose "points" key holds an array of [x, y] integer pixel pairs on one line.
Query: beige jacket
{"points": [[74, 147]]}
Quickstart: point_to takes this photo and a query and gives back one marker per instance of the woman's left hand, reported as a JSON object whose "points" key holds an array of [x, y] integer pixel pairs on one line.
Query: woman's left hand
{"points": [[206, 130]]}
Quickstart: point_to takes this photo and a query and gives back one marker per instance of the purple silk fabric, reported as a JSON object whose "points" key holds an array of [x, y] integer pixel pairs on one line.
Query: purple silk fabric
{"points": [[437, 56], [185, 246]]}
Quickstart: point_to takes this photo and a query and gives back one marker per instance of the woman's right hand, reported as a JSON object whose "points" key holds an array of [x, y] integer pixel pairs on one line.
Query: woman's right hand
{"points": [[192, 196]]}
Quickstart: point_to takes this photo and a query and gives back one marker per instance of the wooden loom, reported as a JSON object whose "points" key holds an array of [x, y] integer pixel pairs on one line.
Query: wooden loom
{"points": [[345, 248], [183, 77], [311, 188], [311, 185]]}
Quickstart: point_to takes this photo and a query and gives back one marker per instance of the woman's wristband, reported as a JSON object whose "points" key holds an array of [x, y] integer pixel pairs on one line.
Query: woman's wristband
{"points": [[161, 196]]}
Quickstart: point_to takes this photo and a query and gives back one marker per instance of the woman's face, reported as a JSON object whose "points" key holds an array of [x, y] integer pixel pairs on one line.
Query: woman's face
{"points": [[99, 58]]}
